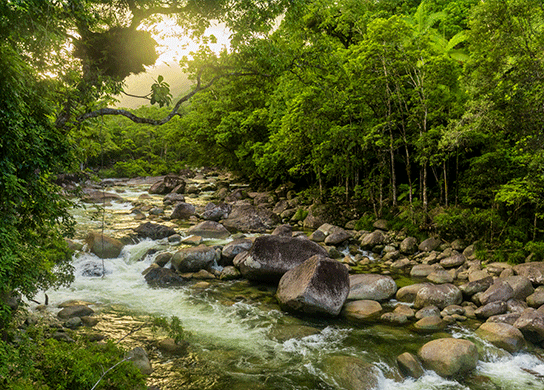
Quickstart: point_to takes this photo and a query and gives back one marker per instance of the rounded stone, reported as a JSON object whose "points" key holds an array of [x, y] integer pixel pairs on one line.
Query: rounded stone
{"points": [[449, 356]]}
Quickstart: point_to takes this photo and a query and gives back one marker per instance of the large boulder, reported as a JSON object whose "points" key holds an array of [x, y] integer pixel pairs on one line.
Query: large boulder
{"points": [[183, 211], [521, 285], [95, 196], [75, 311], [533, 270], [320, 285], [449, 357], [408, 246], [351, 373], [209, 229], [318, 214], [409, 293], [440, 295], [502, 335], [103, 246], [272, 256], [430, 244], [195, 259], [480, 285], [373, 287], [154, 231], [531, 324], [248, 218], [499, 291]]}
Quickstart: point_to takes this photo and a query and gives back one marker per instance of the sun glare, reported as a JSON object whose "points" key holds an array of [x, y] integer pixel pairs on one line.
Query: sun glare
{"points": [[173, 45]]}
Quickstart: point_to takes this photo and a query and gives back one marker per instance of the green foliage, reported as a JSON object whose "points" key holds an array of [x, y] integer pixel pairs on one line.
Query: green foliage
{"points": [[37, 362], [160, 92], [172, 326]]}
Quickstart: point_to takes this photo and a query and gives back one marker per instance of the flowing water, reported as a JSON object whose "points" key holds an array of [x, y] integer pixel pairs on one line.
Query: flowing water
{"points": [[240, 339]]}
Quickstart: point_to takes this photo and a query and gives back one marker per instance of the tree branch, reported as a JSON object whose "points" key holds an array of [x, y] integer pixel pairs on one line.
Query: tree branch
{"points": [[158, 122]]}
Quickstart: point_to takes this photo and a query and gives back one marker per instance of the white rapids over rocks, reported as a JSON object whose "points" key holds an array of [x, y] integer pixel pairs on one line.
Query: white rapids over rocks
{"points": [[242, 329]]}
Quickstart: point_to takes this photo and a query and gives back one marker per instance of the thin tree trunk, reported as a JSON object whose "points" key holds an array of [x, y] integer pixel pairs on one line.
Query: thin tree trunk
{"points": [[445, 183]]}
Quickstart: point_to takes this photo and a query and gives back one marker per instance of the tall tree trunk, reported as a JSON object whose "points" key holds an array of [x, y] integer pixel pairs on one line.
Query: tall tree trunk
{"points": [[446, 201]]}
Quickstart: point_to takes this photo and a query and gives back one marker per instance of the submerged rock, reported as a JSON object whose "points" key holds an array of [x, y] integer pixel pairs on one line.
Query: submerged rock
{"points": [[163, 277], [351, 373], [320, 285]]}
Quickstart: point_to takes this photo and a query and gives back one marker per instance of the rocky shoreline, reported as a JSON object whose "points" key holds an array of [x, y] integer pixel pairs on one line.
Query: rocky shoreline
{"points": [[330, 270]]}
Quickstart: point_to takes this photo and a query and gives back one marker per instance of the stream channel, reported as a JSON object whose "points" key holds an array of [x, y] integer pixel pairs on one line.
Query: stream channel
{"points": [[239, 337]]}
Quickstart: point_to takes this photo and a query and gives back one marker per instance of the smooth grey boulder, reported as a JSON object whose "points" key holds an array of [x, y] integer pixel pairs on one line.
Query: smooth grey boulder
{"points": [[183, 211], [216, 211], [362, 311], [453, 261], [430, 244], [320, 285], [209, 229], [138, 357], [502, 335], [167, 185], [498, 291], [272, 256], [491, 309], [372, 287], [480, 285], [449, 357], [248, 218], [103, 246], [194, 259], [536, 299], [521, 285], [440, 295], [409, 293]]}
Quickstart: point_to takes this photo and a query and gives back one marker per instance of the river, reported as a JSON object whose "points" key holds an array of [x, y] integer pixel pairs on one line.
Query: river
{"points": [[240, 339]]}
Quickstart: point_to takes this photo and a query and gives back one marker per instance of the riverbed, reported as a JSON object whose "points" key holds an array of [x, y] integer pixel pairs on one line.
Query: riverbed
{"points": [[238, 336]]}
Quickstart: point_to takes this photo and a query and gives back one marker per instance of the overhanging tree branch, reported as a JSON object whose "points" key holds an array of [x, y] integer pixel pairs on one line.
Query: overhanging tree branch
{"points": [[157, 122]]}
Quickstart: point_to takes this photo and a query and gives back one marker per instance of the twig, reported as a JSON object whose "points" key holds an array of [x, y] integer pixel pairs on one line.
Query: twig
{"points": [[109, 369], [131, 332]]}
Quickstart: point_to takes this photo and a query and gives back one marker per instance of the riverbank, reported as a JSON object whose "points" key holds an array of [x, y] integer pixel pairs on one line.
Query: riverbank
{"points": [[398, 319]]}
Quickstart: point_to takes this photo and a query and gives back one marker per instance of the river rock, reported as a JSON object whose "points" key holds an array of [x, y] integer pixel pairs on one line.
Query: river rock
{"points": [[453, 261], [533, 270], [209, 229], [449, 357], [163, 277], [103, 246], [351, 373], [139, 358], [423, 270], [320, 285], [283, 230], [100, 197], [521, 285], [163, 258], [75, 311], [509, 318], [480, 285], [183, 211], [248, 218], [430, 324], [167, 185], [536, 299], [362, 311], [408, 246], [491, 309], [194, 259], [372, 287], [440, 295], [233, 248], [216, 211], [531, 324], [169, 346], [409, 293], [154, 231], [503, 336], [318, 214], [272, 256], [173, 198], [440, 277], [230, 273], [499, 291], [373, 239], [430, 244], [409, 365]]}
